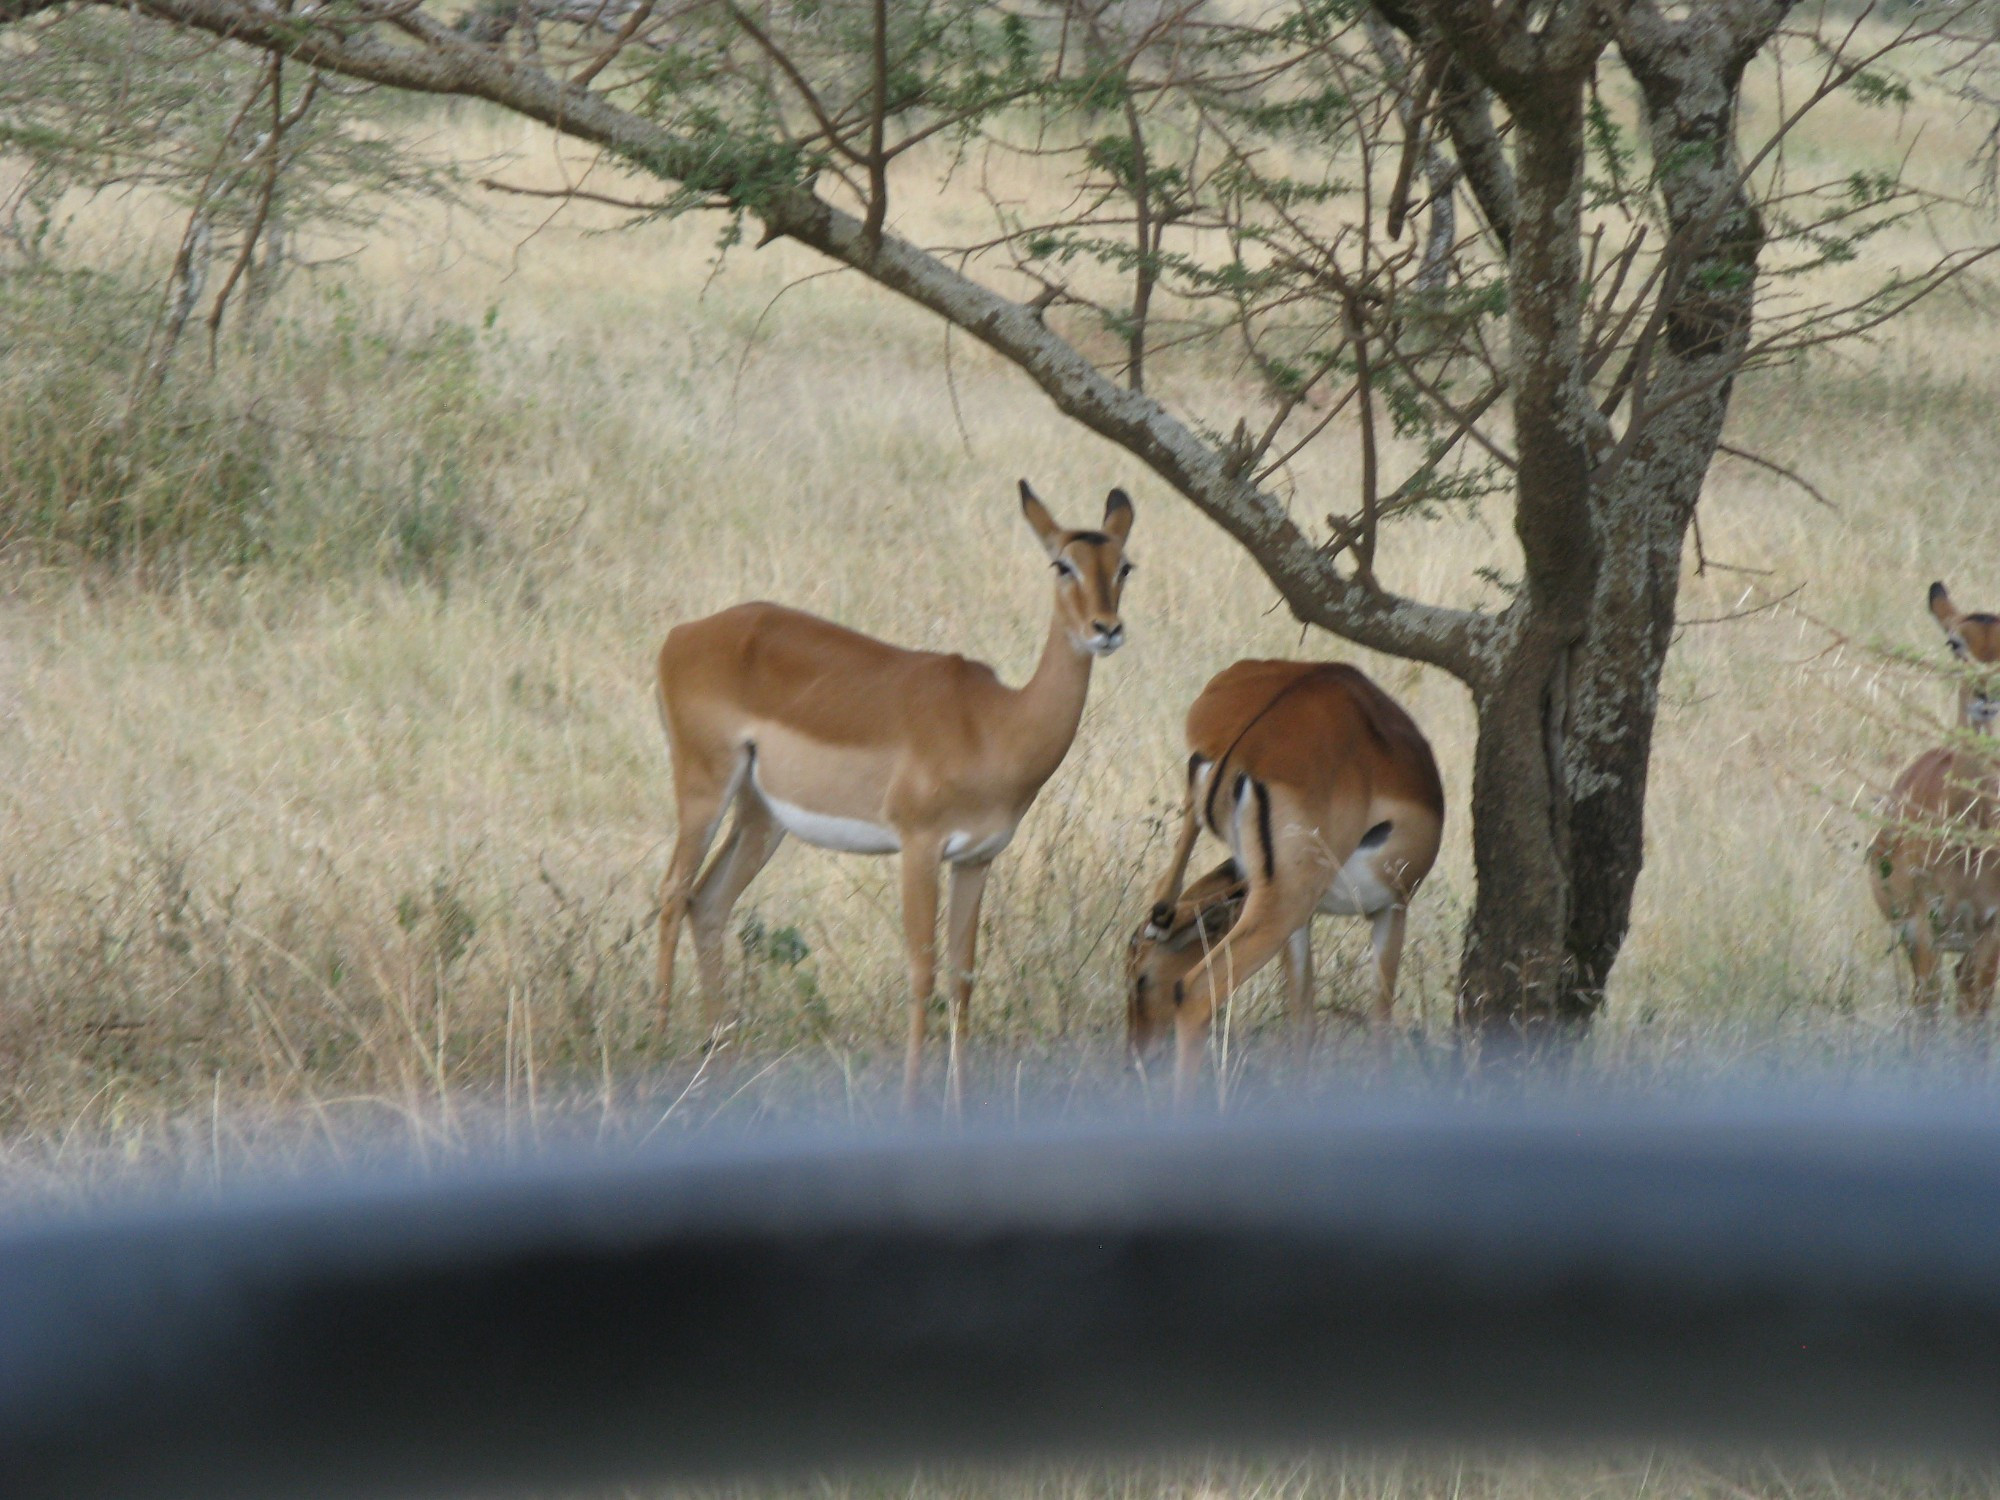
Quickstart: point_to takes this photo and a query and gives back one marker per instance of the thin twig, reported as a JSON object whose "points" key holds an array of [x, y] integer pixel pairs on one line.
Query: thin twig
{"points": [[585, 194], [1744, 614], [1777, 468]]}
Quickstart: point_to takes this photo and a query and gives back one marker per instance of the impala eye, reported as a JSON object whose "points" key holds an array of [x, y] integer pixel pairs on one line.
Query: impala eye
{"points": [[1958, 648], [1124, 571], [1065, 568]]}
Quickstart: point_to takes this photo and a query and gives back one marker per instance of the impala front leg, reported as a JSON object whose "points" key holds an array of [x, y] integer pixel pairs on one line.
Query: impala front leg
{"points": [[968, 883], [1927, 987], [1169, 890], [1977, 971], [921, 857], [1273, 912]]}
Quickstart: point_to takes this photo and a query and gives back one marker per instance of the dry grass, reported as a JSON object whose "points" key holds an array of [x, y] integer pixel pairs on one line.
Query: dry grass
{"points": [[350, 837], [1647, 1475], [368, 823]]}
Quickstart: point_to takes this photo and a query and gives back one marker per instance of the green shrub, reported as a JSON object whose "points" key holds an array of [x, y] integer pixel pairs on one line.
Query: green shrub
{"points": [[87, 474], [328, 443]]}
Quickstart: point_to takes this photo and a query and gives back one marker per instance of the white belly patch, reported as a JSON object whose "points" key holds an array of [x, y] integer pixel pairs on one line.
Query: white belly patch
{"points": [[859, 836], [824, 831], [1356, 891], [847, 835]]}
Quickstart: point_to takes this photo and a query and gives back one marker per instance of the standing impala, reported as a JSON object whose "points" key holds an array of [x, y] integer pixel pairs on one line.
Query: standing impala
{"points": [[1935, 866], [1329, 799], [852, 744]]}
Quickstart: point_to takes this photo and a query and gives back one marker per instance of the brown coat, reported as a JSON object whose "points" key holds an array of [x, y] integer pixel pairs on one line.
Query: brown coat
{"points": [[1330, 801], [807, 728], [1934, 868]]}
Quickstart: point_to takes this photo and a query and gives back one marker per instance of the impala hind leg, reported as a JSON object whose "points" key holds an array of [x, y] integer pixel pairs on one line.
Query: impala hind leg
{"points": [[701, 796], [753, 839], [1297, 957], [1386, 938], [921, 858], [1274, 911]]}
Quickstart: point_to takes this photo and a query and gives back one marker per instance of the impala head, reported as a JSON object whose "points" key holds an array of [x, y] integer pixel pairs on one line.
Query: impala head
{"points": [[1091, 568], [1169, 945], [1974, 638]]}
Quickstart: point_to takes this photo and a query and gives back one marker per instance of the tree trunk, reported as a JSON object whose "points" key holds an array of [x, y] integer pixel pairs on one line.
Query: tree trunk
{"points": [[1566, 735], [1513, 969]]}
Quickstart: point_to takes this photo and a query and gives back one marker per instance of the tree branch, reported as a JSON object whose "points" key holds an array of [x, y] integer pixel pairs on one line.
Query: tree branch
{"points": [[1466, 109], [443, 62], [1316, 593], [1467, 112]]}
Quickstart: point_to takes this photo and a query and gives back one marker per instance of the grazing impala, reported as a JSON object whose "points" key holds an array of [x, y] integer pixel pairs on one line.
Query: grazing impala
{"points": [[1168, 946], [852, 744], [1935, 866], [1328, 797]]}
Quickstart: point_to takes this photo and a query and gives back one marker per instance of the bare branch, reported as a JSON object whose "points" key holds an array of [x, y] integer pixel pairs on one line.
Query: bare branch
{"points": [[639, 16], [439, 60], [584, 195], [1779, 469], [878, 116], [273, 150]]}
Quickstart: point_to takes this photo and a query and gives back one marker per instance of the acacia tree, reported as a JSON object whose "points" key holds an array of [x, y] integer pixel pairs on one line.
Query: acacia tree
{"points": [[250, 148], [1270, 193]]}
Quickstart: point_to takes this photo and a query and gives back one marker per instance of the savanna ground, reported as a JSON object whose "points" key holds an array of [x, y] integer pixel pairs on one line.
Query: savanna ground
{"points": [[337, 803]]}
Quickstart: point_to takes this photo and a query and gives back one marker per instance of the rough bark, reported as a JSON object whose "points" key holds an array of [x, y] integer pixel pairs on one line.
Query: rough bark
{"points": [[1516, 946], [1566, 722], [1690, 75]]}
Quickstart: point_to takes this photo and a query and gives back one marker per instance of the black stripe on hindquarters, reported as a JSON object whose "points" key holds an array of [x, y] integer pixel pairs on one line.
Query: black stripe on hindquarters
{"points": [[1377, 836], [1264, 827], [1312, 674]]}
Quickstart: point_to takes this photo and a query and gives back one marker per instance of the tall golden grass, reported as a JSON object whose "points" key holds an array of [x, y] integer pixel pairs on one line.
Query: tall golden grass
{"points": [[1644, 1475], [334, 825], [360, 821]]}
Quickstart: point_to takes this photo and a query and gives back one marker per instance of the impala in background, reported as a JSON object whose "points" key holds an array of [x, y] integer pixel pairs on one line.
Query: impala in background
{"points": [[1935, 866]]}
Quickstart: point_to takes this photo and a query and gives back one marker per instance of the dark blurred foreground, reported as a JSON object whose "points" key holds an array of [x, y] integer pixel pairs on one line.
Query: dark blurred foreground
{"points": [[1711, 1270]]}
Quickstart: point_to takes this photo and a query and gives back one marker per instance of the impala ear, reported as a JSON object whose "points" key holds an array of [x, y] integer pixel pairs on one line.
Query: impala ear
{"points": [[1947, 613], [1118, 515], [1047, 532]]}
